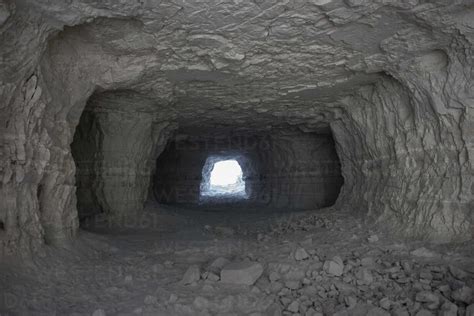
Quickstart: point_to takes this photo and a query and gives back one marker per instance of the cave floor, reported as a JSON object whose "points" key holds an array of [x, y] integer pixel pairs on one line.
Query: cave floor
{"points": [[138, 269]]}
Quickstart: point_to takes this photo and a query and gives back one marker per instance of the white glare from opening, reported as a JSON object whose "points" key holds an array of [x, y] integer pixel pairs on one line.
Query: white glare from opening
{"points": [[226, 173], [226, 178]]}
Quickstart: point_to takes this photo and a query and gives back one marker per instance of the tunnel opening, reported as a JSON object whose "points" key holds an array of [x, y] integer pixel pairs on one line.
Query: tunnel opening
{"points": [[126, 159], [281, 169], [222, 178]]}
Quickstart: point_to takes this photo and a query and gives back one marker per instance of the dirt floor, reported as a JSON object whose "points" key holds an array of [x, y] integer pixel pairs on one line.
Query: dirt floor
{"points": [[323, 262]]}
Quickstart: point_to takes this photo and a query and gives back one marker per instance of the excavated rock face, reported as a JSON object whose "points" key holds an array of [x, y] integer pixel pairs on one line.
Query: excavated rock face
{"points": [[391, 79]]}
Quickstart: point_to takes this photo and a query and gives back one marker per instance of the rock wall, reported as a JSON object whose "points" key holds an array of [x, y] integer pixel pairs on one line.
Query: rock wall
{"points": [[301, 170], [392, 78], [412, 167], [282, 169], [115, 148]]}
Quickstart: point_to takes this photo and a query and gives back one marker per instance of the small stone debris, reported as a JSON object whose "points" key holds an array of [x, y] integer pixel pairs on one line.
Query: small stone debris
{"points": [[448, 309], [293, 307], [463, 295], [377, 311], [99, 312], [301, 254], [470, 310], [192, 274], [245, 273], [400, 312], [373, 238], [293, 284], [334, 267], [457, 272], [430, 299], [385, 303], [350, 301], [424, 312], [173, 298], [364, 276], [201, 303], [212, 277], [424, 253], [274, 276], [150, 300], [217, 265]]}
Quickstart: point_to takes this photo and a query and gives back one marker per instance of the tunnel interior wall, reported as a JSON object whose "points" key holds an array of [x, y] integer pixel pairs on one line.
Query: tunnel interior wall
{"points": [[416, 116], [293, 170], [115, 146]]}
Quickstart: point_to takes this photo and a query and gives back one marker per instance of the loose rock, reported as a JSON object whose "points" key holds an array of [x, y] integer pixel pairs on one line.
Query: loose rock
{"points": [[301, 254], [99, 312], [245, 273], [334, 267], [193, 274]]}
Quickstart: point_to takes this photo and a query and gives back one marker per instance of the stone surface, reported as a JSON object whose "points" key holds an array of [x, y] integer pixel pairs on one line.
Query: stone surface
{"points": [[470, 310], [335, 266], [246, 273], [192, 274], [430, 299], [99, 312], [301, 254], [395, 90], [424, 253], [463, 294], [448, 309]]}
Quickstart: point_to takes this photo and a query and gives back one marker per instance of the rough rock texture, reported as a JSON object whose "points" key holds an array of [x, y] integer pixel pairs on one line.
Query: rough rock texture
{"points": [[393, 80], [115, 148]]}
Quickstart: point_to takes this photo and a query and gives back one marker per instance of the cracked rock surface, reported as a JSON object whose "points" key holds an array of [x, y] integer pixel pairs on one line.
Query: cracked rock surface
{"points": [[391, 80]]}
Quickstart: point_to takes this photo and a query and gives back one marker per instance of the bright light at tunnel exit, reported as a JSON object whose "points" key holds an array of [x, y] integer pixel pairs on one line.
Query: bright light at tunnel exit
{"points": [[226, 173]]}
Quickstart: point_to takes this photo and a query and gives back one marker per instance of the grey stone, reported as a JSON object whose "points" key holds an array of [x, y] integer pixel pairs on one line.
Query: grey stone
{"points": [[430, 298], [457, 272], [293, 284], [424, 253], [470, 310], [424, 312], [99, 312], [301, 254], [350, 301], [335, 266], [201, 303], [463, 294], [192, 274], [274, 276], [448, 309], [373, 238], [364, 276], [377, 312], [400, 312], [293, 307], [246, 273], [217, 265], [150, 300]]}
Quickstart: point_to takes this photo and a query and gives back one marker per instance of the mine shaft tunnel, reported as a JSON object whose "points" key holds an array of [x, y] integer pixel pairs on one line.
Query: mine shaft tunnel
{"points": [[121, 165], [115, 111]]}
